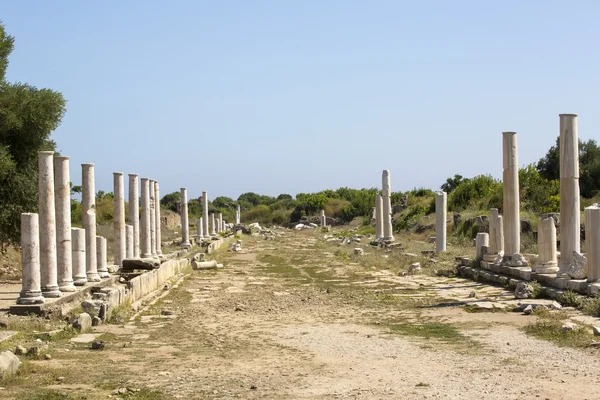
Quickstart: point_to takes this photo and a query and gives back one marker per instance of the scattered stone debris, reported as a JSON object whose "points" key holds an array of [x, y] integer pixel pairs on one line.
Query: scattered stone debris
{"points": [[569, 326], [415, 268], [523, 290], [98, 344], [578, 269], [596, 330], [81, 322], [473, 295], [9, 364], [359, 251]]}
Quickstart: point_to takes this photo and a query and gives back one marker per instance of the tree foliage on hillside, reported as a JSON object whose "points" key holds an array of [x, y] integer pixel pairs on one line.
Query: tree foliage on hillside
{"points": [[27, 117]]}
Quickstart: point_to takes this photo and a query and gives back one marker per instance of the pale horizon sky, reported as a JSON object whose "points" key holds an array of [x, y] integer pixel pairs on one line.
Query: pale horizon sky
{"points": [[285, 97]]}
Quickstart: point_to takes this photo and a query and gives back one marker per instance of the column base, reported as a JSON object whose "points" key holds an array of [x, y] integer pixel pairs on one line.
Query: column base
{"points": [[51, 292], [79, 280], [390, 238], [67, 286], [93, 277], [104, 274], [563, 274], [146, 255], [545, 269], [30, 297]]}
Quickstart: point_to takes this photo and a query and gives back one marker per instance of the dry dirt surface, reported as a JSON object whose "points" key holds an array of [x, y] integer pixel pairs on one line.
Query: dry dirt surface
{"points": [[298, 318]]}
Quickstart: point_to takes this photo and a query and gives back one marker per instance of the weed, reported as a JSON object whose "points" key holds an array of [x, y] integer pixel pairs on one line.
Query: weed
{"points": [[536, 289], [548, 326], [569, 298]]}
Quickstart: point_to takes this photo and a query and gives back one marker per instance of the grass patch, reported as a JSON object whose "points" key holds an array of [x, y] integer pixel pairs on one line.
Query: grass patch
{"points": [[432, 330], [476, 309], [548, 326], [121, 314]]}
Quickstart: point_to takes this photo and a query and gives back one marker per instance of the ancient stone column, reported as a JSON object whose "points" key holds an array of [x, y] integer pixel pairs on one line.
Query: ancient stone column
{"points": [[220, 225], [500, 234], [120, 242], [386, 192], [129, 241], [378, 217], [47, 225], [101, 254], [88, 210], [185, 227], [212, 224], [592, 241], [440, 221], [570, 218], [31, 292], [78, 256], [547, 260], [205, 214], [238, 215], [62, 196], [200, 226], [323, 219], [481, 240], [145, 237], [152, 193], [512, 222], [158, 224], [134, 212]]}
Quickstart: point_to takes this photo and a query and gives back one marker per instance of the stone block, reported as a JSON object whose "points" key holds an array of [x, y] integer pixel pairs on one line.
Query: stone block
{"points": [[81, 322], [9, 364], [578, 285]]}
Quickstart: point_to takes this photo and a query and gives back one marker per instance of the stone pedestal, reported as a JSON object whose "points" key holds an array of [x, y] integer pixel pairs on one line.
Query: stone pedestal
{"points": [[212, 225], [31, 292], [120, 241], [386, 192], [378, 217], [205, 218], [200, 227], [101, 254], [592, 242], [47, 225], [547, 259], [185, 226], [129, 241], [512, 222], [482, 242], [88, 206], [134, 212], [570, 218], [440, 221], [78, 256], [145, 237], [62, 193], [157, 218], [152, 193]]}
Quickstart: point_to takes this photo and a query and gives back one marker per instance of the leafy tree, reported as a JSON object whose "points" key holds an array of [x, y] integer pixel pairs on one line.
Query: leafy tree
{"points": [[284, 196], [223, 202], [452, 183], [27, 117], [171, 201]]}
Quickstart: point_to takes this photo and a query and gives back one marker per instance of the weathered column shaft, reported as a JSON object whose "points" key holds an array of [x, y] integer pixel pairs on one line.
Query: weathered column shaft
{"points": [[158, 224], [481, 240], [31, 292], [200, 227], [145, 237], [134, 212], [570, 217], [78, 256], [185, 226], [378, 216], [152, 193], [47, 225], [440, 221], [386, 192], [120, 245], [205, 217], [592, 242], [101, 257], [62, 193], [500, 233], [88, 207], [512, 222], [323, 219], [238, 215], [493, 223], [221, 223], [212, 224], [129, 241], [547, 259]]}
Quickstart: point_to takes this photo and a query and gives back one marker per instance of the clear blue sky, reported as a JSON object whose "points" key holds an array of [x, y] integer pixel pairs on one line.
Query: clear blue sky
{"points": [[287, 97]]}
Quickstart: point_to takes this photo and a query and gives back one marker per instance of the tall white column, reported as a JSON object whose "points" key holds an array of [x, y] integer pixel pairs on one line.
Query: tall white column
{"points": [[570, 218], [220, 223], [386, 192], [157, 218], [129, 240], [152, 192], [185, 226], [238, 215], [31, 292], [134, 212], [62, 193], [378, 217], [145, 236], [547, 260], [88, 207], [47, 225], [200, 227], [120, 245], [205, 218], [101, 254], [212, 224], [482, 239], [592, 242], [78, 256], [323, 219], [440, 221], [512, 222]]}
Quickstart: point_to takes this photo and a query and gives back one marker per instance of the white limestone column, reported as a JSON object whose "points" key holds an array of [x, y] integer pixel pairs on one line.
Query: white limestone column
{"points": [[500, 234], [158, 224], [134, 212], [493, 230], [205, 214], [440, 221], [185, 226], [512, 222], [129, 241], [386, 192], [220, 223], [212, 224], [199, 225], [120, 245], [145, 236], [101, 257], [78, 256], [31, 292], [570, 218], [62, 196], [547, 259], [378, 217], [481, 240], [88, 206], [238, 215], [47, 225], [592, 242], [323, 219], [152, 192]]}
